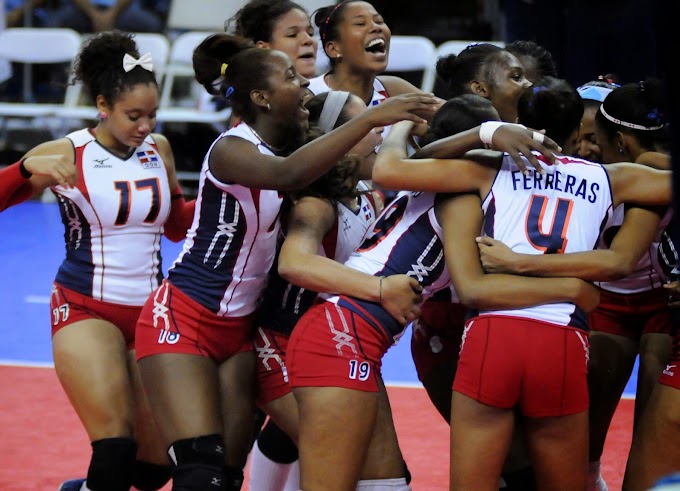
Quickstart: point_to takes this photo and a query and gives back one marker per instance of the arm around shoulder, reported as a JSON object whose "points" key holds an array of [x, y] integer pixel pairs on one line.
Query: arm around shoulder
{"points": [[639, 184]]}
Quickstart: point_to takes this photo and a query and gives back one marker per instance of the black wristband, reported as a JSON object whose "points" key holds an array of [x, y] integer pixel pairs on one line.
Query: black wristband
{"points": [[23, 170]]}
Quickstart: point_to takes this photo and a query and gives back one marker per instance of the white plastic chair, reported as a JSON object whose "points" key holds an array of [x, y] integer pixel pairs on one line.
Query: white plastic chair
{"points": [[155, 43], [414, 53], [37, 46], [201, 15], [180, 65], [455, 46]]}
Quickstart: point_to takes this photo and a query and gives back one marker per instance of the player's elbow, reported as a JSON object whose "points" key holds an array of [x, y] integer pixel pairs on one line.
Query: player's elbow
{"points": [[385, 178], [618, 270], [290, 270], [472, 297]]}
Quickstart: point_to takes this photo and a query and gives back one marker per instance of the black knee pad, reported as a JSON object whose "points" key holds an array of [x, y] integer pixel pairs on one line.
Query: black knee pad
{"points": [[276, 445], [521, 480], [233, 477], [150, 477], [258, 420], [198, 464], [112, 464]]}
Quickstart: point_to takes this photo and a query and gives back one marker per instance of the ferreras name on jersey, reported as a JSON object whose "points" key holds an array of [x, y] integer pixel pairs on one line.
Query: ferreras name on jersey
{"points": [[557, 181]]}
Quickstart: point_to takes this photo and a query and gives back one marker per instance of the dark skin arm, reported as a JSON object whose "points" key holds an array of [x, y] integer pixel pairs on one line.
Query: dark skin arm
{"points": [[461, 219], [618, 261], [299, 262], [234, 160]]}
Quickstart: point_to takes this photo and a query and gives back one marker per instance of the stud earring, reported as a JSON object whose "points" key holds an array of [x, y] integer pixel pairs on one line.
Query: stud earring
{"points": [[269, 107], [621, 150], [103, 115]]}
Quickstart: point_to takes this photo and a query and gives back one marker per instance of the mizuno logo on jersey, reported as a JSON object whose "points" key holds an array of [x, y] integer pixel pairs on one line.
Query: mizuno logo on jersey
{"points": [[148, 159]]}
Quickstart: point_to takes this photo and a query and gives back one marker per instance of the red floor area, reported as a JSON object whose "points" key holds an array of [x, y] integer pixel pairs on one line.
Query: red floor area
{"points": [[44, 443]]}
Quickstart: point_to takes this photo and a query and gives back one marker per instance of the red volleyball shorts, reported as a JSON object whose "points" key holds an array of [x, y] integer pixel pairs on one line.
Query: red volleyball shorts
{"points": [[505, 361], [670, 375], [332, 346], [272, 374], [68, 306], [435, 338], [632, 315], [172, 322]]}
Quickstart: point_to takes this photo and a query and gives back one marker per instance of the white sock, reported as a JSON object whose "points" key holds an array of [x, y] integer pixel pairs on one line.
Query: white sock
{"points": [[398, 484], [595, 480], [265, 474], [293, 481]]}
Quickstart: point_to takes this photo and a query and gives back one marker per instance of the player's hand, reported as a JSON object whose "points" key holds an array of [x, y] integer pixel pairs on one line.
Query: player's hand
{"points": [[517, 141], [587, 295], [401, 297], [417, 107], [673, 294], [58, 167], [495, 256]]}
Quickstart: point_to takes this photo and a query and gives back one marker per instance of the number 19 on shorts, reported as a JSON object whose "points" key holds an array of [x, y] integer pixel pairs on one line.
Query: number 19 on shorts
{"points": [[359, 370]]}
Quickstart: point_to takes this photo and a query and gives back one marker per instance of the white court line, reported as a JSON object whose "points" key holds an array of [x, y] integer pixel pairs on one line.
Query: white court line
{"points": [[403, 385], [37, 299], [25, 364]]}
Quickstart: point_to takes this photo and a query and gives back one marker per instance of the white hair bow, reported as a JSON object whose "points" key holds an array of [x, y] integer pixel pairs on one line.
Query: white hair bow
{"points": [[129, 62]]}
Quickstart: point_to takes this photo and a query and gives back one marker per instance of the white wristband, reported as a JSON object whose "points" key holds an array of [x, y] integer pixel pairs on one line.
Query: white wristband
{"points": [[488, 128]]}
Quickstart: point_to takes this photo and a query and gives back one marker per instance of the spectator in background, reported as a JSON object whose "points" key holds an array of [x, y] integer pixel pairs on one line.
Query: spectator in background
{"points": [[15, 13], [103, 15], [5, 68]]}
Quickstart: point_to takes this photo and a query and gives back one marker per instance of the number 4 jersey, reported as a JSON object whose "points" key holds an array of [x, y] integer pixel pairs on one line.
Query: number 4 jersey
{"points": [[562, 211], [113, 221]]}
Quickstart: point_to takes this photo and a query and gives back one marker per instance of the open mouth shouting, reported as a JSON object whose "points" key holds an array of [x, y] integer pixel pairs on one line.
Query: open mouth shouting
{"points": [[377, 47]]}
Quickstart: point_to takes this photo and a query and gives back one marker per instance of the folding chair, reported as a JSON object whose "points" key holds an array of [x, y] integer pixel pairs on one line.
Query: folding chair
{"points": [[412, 54], [36, 46], [455, 46], [179, 66], [201, 15]]}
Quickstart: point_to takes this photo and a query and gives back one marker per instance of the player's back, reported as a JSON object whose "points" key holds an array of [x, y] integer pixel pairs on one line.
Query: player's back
{"points": [[560, 211]]}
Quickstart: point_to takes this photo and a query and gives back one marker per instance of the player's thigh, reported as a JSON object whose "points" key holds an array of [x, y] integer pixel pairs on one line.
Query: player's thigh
{"points": [[90, 359]]}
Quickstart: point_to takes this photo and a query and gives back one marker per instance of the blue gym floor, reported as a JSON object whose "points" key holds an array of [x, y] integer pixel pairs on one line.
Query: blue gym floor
{"points": [[32, 248]]}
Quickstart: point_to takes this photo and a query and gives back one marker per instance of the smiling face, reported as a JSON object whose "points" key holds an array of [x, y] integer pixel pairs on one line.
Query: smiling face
{"points": [[294, 35], [288, 89], [587, 147], [364, 38], [505, 86], [130, 119]]}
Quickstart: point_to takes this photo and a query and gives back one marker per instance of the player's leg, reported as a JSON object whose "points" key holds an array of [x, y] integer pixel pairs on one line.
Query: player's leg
{"points": [[152, 468], [90, 359]]}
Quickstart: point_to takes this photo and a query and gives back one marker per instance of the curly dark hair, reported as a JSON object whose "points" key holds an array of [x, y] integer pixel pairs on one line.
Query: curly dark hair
{"points": [[99, 66]]}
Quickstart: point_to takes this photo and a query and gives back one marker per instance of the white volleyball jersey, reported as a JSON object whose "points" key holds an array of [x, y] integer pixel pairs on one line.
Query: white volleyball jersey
{"points": [[406, 239], [114, 221], [654, 267], [284, 303], [231, 244], [318, 85], [559, 212]]}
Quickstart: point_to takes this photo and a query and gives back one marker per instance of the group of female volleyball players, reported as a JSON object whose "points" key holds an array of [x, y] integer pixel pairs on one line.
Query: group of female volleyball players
{"points": [[516, 232]]}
